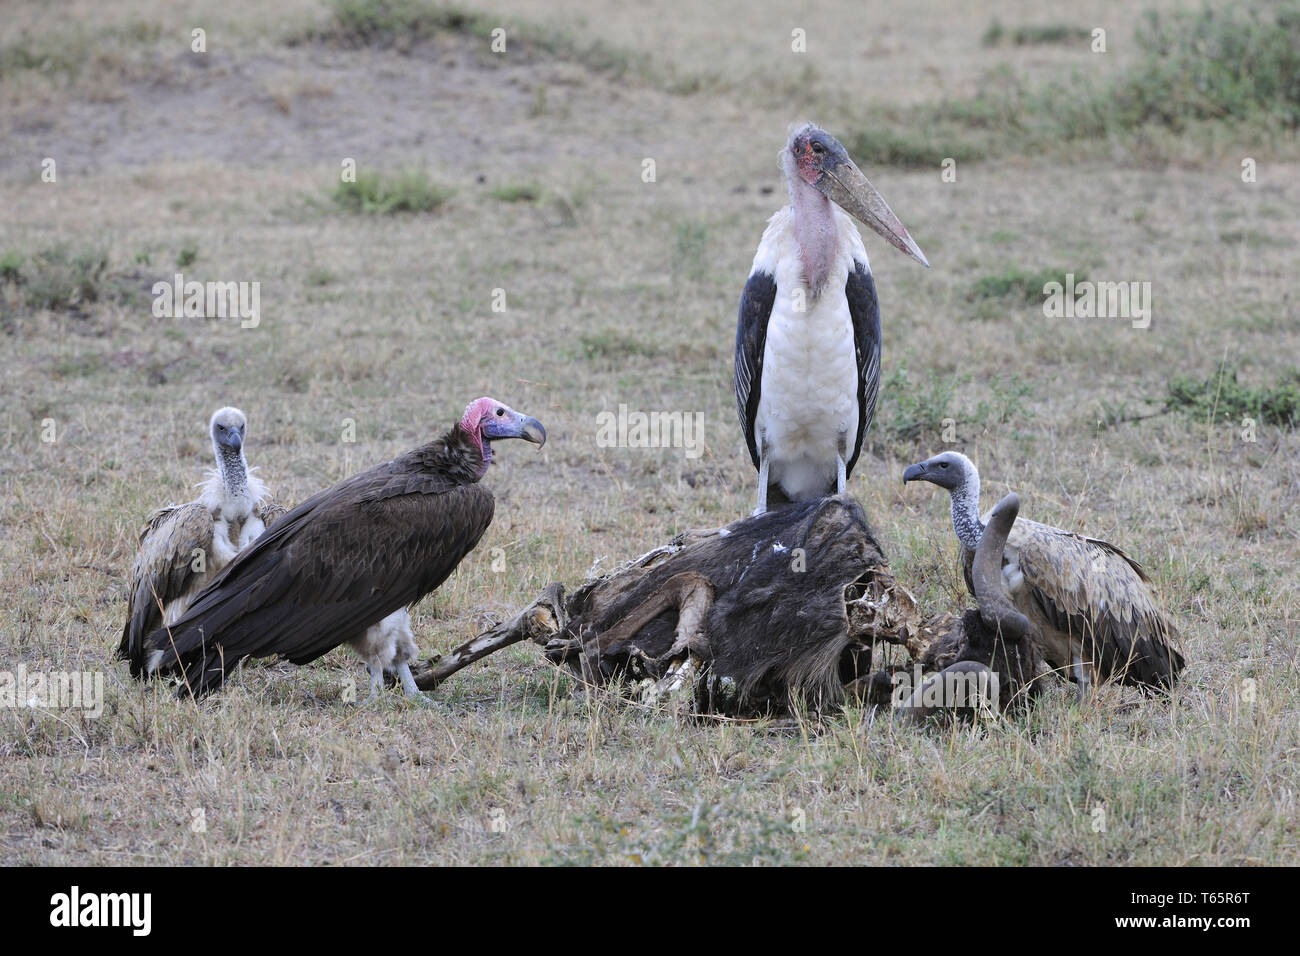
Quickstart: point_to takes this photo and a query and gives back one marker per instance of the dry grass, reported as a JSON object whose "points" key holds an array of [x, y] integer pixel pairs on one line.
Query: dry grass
{"points": [[622, 291]]}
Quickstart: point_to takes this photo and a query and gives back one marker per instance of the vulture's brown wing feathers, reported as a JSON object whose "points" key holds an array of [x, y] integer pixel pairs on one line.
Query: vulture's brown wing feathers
{"points": [[1094, 591], [171, 542], [338, 563]]}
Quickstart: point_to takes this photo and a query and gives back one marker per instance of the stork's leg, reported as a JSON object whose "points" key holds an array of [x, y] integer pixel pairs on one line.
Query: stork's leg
{"points": [[762, 484], [841, 479], [1080, 677]]}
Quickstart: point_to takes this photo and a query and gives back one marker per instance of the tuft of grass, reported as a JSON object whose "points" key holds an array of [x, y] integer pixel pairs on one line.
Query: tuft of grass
{"points": [[915, 148], [1056, 34], [914, 408], [1017, 286], [517, 192], [76, 51], [1199, 73], [1232, 64], [59, 278], [400, 24], [387, 23], [409, 191], [1223, 398], [918, 407], [188, 255], [613, 344], [11, 267], [690, 249]]}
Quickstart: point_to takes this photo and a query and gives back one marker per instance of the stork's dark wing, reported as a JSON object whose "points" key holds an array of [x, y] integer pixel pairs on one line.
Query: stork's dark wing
{"points": [[326, 571], [174, 559], [751, 338], [865, 313]]}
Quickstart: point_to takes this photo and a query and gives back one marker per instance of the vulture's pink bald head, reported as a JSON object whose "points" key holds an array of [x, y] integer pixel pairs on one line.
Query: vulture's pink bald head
{"points": [[487, 420]]}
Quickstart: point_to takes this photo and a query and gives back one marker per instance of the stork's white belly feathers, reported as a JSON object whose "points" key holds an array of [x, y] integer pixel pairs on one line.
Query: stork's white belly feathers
{"points": [[808, 401]]}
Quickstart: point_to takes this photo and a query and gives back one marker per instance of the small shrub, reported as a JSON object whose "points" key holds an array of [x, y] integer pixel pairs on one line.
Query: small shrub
{"points": [[1222, 398], [410, 191]]}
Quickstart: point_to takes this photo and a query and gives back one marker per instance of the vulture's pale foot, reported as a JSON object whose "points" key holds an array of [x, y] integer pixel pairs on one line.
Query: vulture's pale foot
{"points": [[376, 685], [841, 475], [413, 693], [1082, 680]]}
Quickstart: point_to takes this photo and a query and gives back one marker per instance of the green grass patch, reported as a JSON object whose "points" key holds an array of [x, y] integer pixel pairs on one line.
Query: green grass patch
{"points": [[1199, 74], [690, 250], [72, 51], [517, 192], [386, 23], [408, 191], [915, 407], [60, 278], [1016, 286], [1055, 34], [1223, 398], [613, 344], [401, 24]]}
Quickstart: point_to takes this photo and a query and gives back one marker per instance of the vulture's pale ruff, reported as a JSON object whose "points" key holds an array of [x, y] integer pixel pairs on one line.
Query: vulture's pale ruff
{"points": [[1090, 606], [183, 547], [347, 559]]}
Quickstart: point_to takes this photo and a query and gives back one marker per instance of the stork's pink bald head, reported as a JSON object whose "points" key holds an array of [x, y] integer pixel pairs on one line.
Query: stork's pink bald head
{"points": [[487, 420]]}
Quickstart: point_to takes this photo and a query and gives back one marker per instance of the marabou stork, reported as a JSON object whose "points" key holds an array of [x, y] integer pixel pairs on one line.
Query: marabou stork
{"points": [[808, 334]]}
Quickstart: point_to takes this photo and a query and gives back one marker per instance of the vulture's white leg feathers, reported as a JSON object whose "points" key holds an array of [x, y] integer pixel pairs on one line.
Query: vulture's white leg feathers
{"points": [[808, 331], [388, 648], [1091, 608], [183, 547]]}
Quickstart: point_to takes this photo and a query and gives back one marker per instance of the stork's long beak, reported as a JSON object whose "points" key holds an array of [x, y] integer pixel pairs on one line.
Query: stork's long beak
{"points": [[848, 188]]}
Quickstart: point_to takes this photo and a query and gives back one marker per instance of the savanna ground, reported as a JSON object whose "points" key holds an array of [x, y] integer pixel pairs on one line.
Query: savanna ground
{"points": [[522, 172]]}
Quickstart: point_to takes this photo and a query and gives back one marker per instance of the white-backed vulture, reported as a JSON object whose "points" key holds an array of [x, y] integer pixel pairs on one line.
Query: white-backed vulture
{"points": [[808, 332], [343, 560], [1090, 606], [183, 547]]}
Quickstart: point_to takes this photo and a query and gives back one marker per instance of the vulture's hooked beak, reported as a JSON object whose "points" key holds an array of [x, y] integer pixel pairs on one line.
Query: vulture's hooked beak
{"points": [[914, 472], [531, 430], [845, 186], [511, 424], [232, 439]]}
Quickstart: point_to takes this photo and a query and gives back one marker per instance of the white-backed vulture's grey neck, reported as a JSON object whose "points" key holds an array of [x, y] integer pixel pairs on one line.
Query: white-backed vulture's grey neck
{"points": [[231, 491], [966, 509]]}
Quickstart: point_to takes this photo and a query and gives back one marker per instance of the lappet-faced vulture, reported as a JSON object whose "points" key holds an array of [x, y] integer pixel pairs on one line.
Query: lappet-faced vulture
{"points": [[183, 547], [1091, 607], [808, 333], [345, 559]]}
